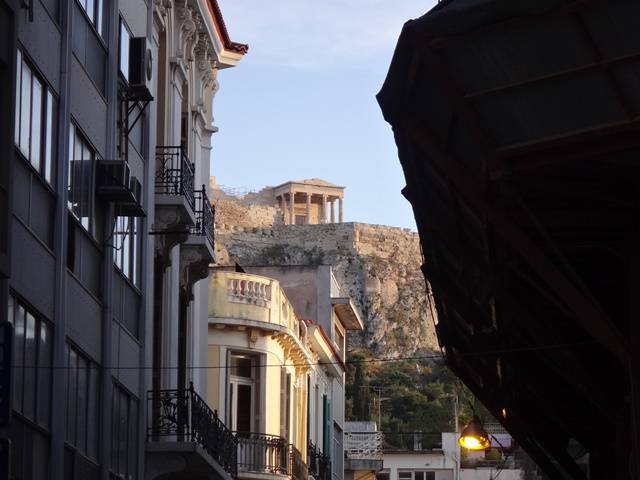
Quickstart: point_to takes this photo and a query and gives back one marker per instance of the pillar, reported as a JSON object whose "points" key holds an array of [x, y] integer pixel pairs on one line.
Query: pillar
{"points": [[292, 200], [308, 221], [333, 210], [323, 218], [340, 217]]}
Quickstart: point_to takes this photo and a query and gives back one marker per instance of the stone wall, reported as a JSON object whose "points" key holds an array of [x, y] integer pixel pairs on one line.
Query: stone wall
{"points": [[377, 265]]}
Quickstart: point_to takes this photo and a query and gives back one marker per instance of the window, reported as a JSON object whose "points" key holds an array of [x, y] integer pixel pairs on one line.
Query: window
{"points": [[124, 434], [80, 196], [285, 404], [126, 247], [338, 337], [30, 451], [243, 392], [416, 475], [83, 389], [124, 36], [88, 46], [93, 10], [34, 120], [32, 363]]}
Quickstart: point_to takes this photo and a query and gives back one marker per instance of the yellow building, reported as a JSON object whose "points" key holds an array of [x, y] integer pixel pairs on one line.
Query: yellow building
{"points": [[272, 378]]}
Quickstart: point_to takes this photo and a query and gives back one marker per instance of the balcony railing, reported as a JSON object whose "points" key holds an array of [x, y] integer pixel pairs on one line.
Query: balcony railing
{"points": [[299, 469], [183, 416], [363, 445], [411, 441], [319, 464], [174, 173], [263, 453], [205, 215]]}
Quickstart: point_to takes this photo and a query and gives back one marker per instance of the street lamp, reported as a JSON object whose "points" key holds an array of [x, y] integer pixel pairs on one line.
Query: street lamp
{"points": [[474, 436]]}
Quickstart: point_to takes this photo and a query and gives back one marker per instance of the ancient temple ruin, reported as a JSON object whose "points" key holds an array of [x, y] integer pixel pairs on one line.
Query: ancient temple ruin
{"points": [[309, 202]]}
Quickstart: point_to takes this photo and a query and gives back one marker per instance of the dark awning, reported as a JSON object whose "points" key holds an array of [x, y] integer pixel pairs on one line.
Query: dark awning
{"points": [[518, 129]]}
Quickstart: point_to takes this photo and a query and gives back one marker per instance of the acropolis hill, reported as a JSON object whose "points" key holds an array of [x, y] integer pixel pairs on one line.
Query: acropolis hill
{"points": [[378, 265]]}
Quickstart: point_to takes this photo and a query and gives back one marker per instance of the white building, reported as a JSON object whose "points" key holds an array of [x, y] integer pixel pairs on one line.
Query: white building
{"points": [[437, 456]]}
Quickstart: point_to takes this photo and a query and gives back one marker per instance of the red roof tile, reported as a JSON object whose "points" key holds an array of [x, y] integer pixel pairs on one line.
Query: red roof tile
{"points": [[216, 13]]}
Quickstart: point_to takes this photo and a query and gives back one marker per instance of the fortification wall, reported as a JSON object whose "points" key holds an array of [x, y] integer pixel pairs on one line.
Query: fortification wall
{"points": [[377, 265]]}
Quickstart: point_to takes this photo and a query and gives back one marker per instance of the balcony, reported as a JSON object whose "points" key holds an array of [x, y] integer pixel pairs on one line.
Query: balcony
{"points": [[260, 453], [362, 449], [185, 437], [205, 215], [175, 191], [318, 463], [247, 300]]}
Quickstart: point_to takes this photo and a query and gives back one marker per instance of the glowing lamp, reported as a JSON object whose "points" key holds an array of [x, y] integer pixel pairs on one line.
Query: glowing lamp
{"points": [[474, 436]]}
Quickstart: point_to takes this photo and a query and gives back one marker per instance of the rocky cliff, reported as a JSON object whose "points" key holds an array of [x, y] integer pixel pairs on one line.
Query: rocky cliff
{"points": [[378, 266]]}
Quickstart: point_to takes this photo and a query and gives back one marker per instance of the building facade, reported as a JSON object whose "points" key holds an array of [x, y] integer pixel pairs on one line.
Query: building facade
{"points": [[437, 456], [362, 450], [107, 244], [276, 377], [317, 297]]}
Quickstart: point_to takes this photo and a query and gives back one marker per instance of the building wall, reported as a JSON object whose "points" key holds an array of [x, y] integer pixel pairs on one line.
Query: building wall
{"points": [[438, 462], [87, 304]]}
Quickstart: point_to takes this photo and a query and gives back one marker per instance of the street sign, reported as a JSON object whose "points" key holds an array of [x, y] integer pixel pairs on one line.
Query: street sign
{"points": [[6, 348]]}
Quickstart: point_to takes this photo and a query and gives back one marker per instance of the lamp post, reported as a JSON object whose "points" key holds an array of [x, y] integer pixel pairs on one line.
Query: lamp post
{"points": [[456, 455]]}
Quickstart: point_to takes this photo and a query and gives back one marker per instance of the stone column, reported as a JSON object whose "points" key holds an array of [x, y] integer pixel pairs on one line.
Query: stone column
{"points": [[340, 217], [292, 215], [333, 210], [308, 209], [323, 218]]}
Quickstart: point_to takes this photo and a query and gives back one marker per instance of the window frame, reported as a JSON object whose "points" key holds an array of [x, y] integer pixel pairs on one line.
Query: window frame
{"points": [[45, 164], [42, 392], [122, 26], [131, 433], [75, 133], [339, 333], [428, 474], [96, 17], [131, 238], [90, 366]]}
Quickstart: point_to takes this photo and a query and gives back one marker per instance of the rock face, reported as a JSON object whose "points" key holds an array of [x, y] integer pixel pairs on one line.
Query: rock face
{"points": [[378, 266]]}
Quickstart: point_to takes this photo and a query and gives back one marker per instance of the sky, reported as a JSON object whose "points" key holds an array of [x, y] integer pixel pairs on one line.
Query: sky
{"points": [[301, 104]]}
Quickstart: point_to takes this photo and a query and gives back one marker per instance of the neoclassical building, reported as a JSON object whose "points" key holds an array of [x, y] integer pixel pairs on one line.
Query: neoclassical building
{"points": [[310, 202], [191, 45], [276, 368]]}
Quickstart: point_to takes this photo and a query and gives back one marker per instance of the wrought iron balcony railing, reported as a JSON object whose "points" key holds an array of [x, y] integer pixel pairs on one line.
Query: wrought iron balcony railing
{"points": [[299, 469], [205, 215], [174, 173], [319, 464], [263, 453], [182, 415]]}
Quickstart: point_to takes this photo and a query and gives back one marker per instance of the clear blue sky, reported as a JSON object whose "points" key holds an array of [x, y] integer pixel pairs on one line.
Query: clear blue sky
{"points": [[301, 103]]}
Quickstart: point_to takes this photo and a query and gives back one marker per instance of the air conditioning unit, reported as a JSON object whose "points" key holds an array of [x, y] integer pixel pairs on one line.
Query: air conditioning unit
{"points": [[136, 189], [140, 70], [132, 208], [113, 180]]}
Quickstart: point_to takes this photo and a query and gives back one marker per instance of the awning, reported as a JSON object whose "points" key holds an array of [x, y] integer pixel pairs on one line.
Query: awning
{"points": [[518, 130]]}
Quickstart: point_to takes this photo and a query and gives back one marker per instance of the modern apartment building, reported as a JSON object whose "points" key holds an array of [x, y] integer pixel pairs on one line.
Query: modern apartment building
{"points": [[108, 142], [276, 376]]}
